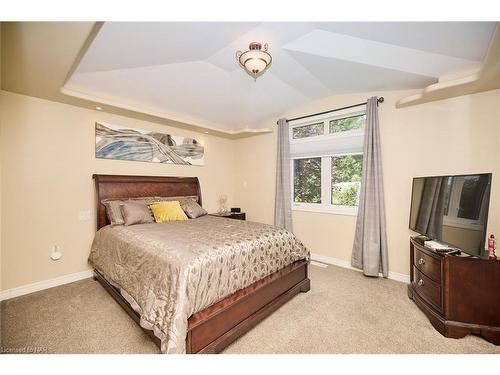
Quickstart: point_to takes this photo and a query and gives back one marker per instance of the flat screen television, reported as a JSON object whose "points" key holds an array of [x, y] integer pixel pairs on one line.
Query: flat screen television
{"points": [[452, 210]]}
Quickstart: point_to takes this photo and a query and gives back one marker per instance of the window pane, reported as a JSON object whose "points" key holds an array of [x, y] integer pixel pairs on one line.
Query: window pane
{"points": [[308, 130], [346, 179], [471, 198], [307, 180], [347, 123]]}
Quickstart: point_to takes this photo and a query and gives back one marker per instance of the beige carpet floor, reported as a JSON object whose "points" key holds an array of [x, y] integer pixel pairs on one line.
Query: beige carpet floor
{"points": [[344, 312]]}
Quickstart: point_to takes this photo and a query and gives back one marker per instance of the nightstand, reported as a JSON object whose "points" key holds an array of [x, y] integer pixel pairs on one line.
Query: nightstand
{"points": [[232, 215]]}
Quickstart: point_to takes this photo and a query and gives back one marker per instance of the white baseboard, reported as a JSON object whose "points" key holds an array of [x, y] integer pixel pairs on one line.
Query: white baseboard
{"points": [[345, 264], [35, 287], [318, 264]]}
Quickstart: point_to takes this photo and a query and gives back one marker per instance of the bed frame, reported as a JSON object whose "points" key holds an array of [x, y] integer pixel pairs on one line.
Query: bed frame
{"points": [[217, 326]]}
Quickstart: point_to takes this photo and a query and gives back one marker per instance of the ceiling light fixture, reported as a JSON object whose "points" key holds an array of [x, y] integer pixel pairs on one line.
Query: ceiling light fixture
{"points": [[256, 60], [98, 108]]}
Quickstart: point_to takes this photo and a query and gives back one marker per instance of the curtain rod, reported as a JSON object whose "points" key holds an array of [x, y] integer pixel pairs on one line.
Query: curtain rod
{"points": [[379, 100]]}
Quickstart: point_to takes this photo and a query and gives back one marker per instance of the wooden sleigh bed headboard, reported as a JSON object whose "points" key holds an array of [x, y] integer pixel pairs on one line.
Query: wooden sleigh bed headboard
{"points": [[116, 186]]}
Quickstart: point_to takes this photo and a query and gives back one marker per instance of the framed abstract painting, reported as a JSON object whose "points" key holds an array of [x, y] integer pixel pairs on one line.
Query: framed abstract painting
{"points": [[115, 142]]}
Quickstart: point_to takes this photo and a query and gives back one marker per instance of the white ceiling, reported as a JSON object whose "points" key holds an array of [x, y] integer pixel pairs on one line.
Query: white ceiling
{"points": [[188, 71]]}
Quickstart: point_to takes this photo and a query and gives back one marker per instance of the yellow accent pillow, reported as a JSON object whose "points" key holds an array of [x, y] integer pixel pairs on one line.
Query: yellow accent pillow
{"points": [[167, 211]]}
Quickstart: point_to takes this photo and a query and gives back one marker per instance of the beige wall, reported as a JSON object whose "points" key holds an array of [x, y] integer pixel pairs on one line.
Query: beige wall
{"points": [[454, 136], [47, 159], [47, 153]]}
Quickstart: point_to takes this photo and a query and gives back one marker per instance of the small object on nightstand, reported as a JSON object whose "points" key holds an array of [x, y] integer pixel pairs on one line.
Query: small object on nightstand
{"points": [[231, 215], [222, 204], [235, 209]]}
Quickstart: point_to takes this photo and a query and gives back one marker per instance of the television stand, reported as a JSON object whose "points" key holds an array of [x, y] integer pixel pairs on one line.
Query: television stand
{"points": [[459, 294]]}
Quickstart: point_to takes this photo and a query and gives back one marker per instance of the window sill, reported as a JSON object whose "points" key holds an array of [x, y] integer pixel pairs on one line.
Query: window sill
{"points": [[338, 210]]}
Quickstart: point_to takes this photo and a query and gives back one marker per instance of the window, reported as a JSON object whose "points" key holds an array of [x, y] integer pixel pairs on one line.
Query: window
{"points": [[327, 162], [347, 123], [464, 201], [346, 179], [307, 180], [308, 130], [470, 206]]}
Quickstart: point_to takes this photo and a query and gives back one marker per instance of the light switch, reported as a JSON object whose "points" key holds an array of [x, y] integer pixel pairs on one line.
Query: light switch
{"points": [[84, 215]]}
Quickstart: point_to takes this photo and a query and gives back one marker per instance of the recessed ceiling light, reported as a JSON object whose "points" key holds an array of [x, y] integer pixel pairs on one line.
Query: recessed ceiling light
{"points": [[206, 132], [98, 108]]}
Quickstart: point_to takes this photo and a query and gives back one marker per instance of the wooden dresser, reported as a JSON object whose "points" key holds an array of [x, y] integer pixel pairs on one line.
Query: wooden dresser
{"points": [[460, 295]]}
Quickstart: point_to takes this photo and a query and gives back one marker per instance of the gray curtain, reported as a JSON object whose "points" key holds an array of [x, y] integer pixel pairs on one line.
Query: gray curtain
{"points": [[431, 211], [369, 251], [283, 200]]}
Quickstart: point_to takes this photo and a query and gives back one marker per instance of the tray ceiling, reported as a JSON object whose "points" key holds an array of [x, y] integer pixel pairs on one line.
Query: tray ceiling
{"points": [[188, 71]]}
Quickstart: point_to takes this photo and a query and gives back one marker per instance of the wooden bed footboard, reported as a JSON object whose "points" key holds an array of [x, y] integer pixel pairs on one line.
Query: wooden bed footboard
{"points": [[214, 328], [217, 326]]}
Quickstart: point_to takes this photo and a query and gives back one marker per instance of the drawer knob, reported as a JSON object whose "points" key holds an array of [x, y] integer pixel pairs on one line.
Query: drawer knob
{"points": [[421, 261], [421, 282]]}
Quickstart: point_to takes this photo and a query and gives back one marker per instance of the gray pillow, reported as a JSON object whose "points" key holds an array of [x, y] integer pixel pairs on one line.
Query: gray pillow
{"points": [[178, 198], [136, 213], [113, 207], [113, 211], [192, 209]]}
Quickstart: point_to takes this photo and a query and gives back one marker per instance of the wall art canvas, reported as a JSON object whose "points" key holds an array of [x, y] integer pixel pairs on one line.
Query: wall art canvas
{"points": [[115, 142]]}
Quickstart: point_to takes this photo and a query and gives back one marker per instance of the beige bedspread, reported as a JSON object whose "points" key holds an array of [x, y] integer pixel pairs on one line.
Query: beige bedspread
{"points": [[172, 270]]}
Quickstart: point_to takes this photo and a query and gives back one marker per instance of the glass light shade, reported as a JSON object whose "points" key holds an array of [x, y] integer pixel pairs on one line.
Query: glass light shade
{"points": [[255, 61], [255, 65]]}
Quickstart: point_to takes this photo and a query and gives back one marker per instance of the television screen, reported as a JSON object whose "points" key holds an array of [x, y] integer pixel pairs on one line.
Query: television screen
{"points": [[452, 210]]}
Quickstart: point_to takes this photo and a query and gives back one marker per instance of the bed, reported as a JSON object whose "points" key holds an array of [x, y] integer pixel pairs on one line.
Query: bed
{"points": [[198, 285]]}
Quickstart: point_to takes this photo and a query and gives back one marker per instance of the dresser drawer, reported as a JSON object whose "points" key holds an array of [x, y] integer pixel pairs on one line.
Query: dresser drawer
{"points": [[426, 288], [428, 265]]}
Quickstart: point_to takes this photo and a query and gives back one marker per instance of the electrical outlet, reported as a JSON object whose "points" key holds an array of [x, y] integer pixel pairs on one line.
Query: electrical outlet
{"points": [[84, 215], [56, 253]]}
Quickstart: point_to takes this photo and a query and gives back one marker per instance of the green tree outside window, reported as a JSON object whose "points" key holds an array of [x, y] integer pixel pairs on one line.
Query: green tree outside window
{"points": [[307, 180], [347, 123], [346, 179]]}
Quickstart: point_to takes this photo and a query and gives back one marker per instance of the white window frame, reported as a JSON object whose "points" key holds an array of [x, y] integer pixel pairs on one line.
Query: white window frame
{"points": [[326, 205]]}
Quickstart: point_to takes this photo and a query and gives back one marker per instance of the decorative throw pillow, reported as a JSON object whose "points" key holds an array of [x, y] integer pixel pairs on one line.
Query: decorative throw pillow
{"points": [[167, 211], [113, 211], [192, 209], [178, 198], [136, 212], [146, 200], [113, 207]]}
